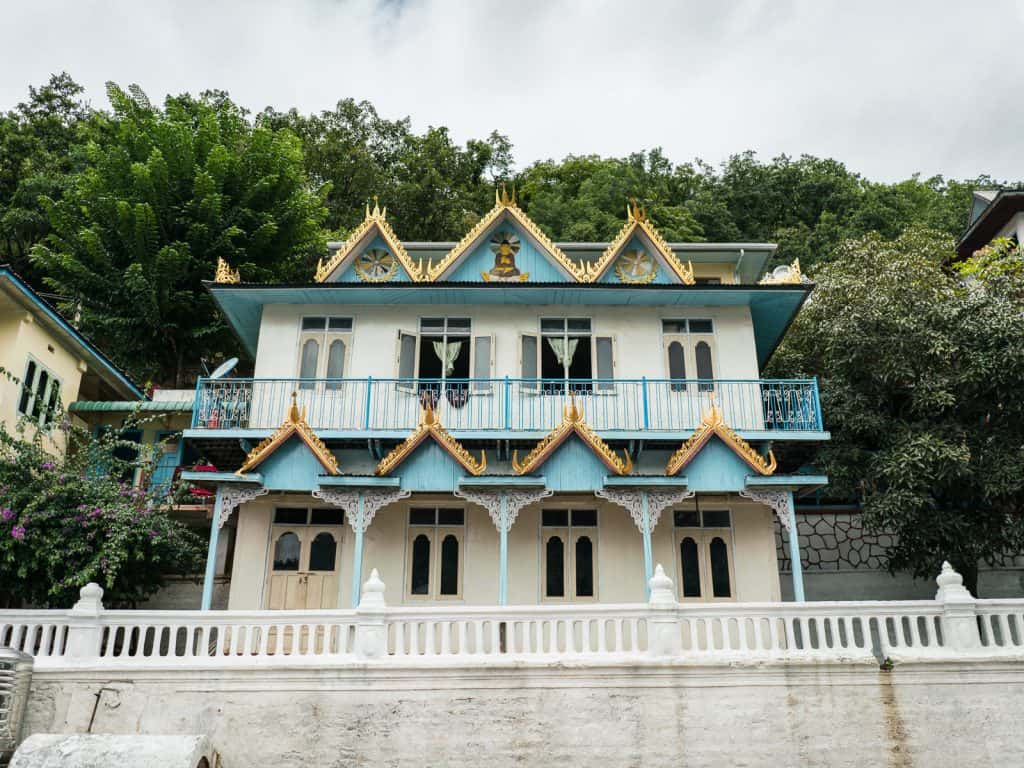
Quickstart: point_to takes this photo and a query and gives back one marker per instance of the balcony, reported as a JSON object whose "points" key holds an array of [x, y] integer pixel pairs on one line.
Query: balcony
{"points": [[507, 406]]}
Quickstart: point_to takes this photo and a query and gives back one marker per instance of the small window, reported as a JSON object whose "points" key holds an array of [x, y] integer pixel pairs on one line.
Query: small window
{"points": [[291, 515], [720, 567], [27, 387], [701, 326], [717, 518], [435, 544], [314, 323], [702, 354], [704, 540], [556, 518], [584, 567], [420, 578], [422, 516], [568, 551], [687, 518], [584, 517], [555, 568], [340, 324], [450, 517], [323, 552], [286, 552], [310, 355], [336, 360], [326, 517], [450, 565], [690, 567], [673, 326], [40, 394]]}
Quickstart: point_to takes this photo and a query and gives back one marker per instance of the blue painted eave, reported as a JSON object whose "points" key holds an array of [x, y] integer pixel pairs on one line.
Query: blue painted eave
{"points": [[644, 481], [796, 482], [358, 481], [220, 477], [502, 481], [772, 307]]}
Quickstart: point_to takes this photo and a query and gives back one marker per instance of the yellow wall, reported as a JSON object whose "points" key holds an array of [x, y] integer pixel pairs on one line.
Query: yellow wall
{"points": [[724, 271]]}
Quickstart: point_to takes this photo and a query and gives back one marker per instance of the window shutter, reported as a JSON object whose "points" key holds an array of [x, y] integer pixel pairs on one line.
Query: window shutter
{"points": [[483, 363], [528, 361], [406, 363], [605, 349]]}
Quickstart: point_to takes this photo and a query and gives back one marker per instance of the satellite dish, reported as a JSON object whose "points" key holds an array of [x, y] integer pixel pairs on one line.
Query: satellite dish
{"points": [[782, 272], [224, 368]]}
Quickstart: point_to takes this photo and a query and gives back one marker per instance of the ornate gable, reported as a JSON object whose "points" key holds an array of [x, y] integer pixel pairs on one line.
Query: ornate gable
{"points": [[294, 425], [572, 424], [639, 226], [371, 267], [430, 426], [713, 425], [505, 209]]}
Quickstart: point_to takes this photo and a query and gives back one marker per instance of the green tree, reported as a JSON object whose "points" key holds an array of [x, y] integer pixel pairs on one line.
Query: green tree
{"points": [[160, 199], [920, 378], [66, 520]]}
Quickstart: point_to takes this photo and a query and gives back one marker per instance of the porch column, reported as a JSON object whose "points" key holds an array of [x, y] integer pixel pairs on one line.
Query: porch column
{"points": [[503, 506], [645, 507], [780, 500], [227, 498], [360, 507], [211, 552]]}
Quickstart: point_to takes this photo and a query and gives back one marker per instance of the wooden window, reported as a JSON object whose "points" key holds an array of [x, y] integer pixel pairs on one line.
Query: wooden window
{"points": [[40, 394], [689, 346], [324, 343], [704, 549], [569, 553], [435, 560]]}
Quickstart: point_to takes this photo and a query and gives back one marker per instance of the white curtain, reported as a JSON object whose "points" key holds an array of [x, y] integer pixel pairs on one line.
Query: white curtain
{"points": [[564, 350], [447, 354]]}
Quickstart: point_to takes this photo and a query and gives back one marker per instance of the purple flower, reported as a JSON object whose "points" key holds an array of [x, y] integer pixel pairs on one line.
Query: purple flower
{"points": [[18, 532], [48, 465], [152, 534], [6, 514]]}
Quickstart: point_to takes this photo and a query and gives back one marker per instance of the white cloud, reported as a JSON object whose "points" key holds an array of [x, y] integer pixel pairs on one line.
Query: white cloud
{"points": [[888, 88]]}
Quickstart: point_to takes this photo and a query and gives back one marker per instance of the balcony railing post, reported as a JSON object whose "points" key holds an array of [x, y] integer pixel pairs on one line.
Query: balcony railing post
{"points": [[195, 402], [508, 403], [371, 630], [643, 395], [369, 396], [817, 404], [663, 637], [85, 624]]}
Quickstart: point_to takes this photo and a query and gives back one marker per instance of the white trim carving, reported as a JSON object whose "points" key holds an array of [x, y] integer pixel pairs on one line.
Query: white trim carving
{"points": [[771, 497], [515, 500], [631, 499], [232, 496], [374, 499]]}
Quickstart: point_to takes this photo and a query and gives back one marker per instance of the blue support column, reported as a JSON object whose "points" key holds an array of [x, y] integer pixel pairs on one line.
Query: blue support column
{"points": [[648, 555], [211, 553], [503, 557], [357, 557], [796, 567]]}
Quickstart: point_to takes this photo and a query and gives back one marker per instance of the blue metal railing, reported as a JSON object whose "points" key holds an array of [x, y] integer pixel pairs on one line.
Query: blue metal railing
{"points": [[509, 405]]}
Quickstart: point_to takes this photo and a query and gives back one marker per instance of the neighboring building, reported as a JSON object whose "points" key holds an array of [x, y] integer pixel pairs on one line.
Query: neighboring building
{"points": [[995, 214], [49, 362], [506, 419]]}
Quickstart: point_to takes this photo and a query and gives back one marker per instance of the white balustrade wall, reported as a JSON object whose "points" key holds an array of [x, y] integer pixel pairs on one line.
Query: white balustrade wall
{"points": [[953, 625]]}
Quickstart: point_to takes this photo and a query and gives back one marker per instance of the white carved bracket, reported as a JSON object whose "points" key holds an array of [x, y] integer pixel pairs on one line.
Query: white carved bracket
{"points": [[777, 499], [374, 499], [232, 496], [631, 499], [515, 500]]}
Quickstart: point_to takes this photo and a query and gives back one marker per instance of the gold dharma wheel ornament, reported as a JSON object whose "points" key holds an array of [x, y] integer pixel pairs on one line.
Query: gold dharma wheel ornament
{"points": [[636, 267], [376, 266]]}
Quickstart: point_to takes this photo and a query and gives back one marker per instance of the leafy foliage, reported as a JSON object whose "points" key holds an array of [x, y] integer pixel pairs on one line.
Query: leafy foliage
{"points": [[920, 379], [160, 200], [66, 521]]}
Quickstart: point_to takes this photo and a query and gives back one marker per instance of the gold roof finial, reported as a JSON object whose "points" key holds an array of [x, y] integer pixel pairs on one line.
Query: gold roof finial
{"points": [[294, 425], [504, 199], [573, 423], [634, 212], [374, 223], [430, 427], [225, 274], [784, 275]]}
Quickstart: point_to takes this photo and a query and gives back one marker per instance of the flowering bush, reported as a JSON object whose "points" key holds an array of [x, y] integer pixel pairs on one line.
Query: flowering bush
{"points": [[66, 521]]}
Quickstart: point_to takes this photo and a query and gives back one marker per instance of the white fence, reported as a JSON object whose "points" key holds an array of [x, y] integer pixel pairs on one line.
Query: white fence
{"points": [[953, 625]]}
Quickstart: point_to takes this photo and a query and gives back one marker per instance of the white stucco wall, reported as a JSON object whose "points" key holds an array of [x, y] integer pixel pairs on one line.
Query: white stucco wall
{"points": [[620, 568], [937, 715], [637, 332]]}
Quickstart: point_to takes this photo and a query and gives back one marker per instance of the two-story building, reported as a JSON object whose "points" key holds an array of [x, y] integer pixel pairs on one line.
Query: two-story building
{"points": [[506, 420]]}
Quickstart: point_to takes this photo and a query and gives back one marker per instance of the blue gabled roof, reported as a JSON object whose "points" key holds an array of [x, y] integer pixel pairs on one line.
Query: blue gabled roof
{"points": [[113, 375]]}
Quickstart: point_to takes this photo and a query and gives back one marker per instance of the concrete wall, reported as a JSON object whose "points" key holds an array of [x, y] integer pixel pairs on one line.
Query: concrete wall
{"points": [[620, 568], [637, 331], [934, 715]]}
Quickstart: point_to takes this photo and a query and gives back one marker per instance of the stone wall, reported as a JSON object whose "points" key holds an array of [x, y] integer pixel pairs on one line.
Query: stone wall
{"points": [[936, 715]]}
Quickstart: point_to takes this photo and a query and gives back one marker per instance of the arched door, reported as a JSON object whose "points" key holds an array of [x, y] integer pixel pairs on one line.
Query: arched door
{"points": [[304, 567]]}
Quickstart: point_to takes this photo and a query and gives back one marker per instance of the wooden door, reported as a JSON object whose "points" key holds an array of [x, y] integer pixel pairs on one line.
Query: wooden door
{"points": [[304, 566]]}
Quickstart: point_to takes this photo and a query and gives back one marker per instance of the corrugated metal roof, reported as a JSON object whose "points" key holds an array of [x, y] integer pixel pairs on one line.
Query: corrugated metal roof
{"points": [[126, 406]]}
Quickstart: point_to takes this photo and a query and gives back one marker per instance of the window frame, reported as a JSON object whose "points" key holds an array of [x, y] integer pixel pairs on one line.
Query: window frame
{"points": [[436, 533], [703, 535], [411, 383], [569, 534], [689, 340], [324, 337], [47, 410]]}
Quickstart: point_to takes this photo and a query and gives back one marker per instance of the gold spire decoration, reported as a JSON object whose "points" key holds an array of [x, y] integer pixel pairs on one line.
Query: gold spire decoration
{"points": [[790, 275], [712, 424], [505, 206], [225, 274], [573, 423], [638, 222], [376, 220], [293, 424], [430, 426]]}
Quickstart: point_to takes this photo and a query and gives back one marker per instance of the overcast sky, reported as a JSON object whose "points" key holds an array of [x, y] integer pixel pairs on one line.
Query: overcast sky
{"points": [[890, 88]]}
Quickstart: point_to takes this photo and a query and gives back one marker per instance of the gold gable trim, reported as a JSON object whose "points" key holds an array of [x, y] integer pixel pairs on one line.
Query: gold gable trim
{"points": [[713, 425], [573, 423], [506, 203], [225, 274], [793, 277], [430, 426], [294, 424], [636, 219], [376, 218]]}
